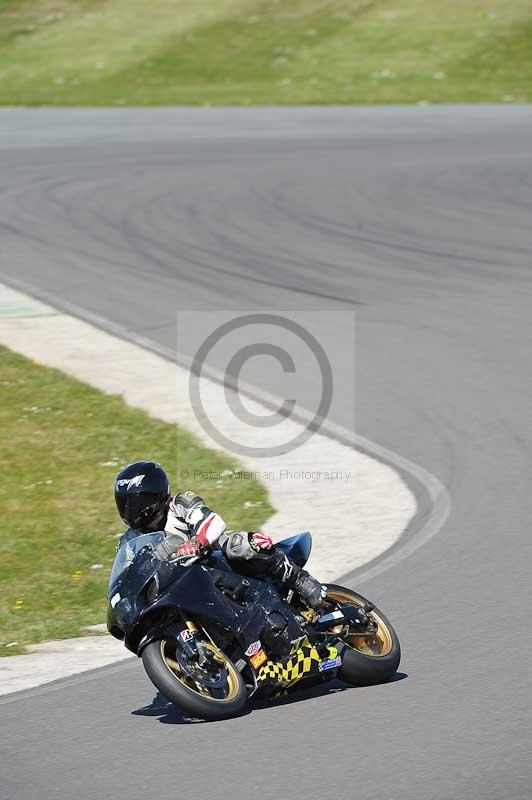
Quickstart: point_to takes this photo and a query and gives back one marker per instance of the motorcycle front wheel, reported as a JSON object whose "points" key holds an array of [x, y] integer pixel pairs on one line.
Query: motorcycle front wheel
{"points": [[372, 658], [214, 692]]}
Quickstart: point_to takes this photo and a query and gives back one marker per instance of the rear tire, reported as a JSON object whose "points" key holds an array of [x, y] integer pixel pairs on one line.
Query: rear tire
{"points": [[166, 679], [367, 668]]}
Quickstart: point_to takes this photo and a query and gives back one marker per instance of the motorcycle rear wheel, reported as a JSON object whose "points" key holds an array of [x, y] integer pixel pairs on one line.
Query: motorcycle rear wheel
{"points": [[195, 697], [367, 659]]}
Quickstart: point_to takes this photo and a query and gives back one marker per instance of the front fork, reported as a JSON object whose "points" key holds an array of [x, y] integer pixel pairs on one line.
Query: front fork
{"points": [[190, 639]]}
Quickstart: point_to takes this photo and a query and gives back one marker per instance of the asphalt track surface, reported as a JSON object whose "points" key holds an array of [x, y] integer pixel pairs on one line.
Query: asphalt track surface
{"points": [[418, 218]]}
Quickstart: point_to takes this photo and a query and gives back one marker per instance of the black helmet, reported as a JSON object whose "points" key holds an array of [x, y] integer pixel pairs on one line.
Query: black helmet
{"points": [[142, 492]]}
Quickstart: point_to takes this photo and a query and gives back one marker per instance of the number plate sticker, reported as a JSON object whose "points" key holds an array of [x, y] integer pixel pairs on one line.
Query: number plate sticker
{"points": [[331, 663], [253, 649]]}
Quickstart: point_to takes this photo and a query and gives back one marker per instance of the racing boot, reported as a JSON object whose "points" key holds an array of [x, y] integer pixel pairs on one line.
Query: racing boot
{"points": [[308, 588]]}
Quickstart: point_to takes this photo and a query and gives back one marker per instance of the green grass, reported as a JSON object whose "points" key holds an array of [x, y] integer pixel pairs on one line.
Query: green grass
{"points": [[63, 443], [134, 52]]}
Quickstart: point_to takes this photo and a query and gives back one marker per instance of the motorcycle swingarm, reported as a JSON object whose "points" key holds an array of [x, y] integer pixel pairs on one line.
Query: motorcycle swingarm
{"points": [[354, 616]]}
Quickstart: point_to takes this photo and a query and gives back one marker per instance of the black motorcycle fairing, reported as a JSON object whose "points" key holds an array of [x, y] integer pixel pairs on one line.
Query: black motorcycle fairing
{"points": [[148, 593], [190, 590]]}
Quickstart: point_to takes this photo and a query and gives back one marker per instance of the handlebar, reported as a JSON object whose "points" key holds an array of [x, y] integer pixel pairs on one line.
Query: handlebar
{"points": [[184, 561]]}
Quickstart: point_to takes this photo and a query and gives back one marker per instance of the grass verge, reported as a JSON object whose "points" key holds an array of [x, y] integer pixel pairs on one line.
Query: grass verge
{"points": [[130, 52], [63, 443]]}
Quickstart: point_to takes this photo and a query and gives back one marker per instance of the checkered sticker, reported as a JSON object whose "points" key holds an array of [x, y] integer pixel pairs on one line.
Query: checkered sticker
{"points": [[304, 660]]}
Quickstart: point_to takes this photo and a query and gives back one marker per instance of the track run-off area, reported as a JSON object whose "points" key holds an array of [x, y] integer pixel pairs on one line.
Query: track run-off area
{"points": [[419, 220]]}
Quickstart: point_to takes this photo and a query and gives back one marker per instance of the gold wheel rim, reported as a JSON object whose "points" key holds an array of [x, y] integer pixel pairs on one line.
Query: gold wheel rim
{"points": [[376, 645], [232, 684]]}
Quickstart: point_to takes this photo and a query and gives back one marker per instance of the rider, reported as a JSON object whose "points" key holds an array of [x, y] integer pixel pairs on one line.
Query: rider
{"points": [[143, 500]]}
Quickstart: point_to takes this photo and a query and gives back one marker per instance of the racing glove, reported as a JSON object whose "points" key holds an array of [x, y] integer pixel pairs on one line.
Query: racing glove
{"points": [[190, 548]]}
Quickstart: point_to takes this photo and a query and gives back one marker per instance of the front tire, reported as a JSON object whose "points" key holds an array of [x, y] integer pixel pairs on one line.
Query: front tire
{"points": [[367, 660], [168, 675]]}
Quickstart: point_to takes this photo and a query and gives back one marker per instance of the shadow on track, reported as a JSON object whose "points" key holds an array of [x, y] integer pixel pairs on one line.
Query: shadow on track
{"points": [[169, 714]]}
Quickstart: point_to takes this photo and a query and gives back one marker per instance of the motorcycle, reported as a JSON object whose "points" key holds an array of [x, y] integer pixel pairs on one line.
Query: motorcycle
{"points": [[210, 639]]}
